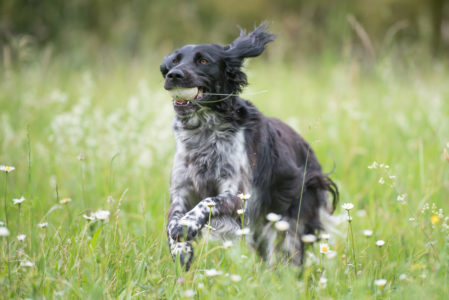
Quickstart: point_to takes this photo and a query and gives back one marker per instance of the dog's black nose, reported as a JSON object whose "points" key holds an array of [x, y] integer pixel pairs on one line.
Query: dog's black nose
{"points": [[175, 74]]}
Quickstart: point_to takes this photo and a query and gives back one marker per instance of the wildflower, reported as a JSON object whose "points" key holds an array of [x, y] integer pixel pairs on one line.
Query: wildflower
{"points": [[244, 231], [244, 197], [380, 282], [373, 165], [240, 211], [324, 248], [282, 225], [181, 280], [89, 218], [4, 231], [323, 281], [227, 244], [411, 219], [381, 180], [210, 204], [27, 263], [21, 237], [212, 272], [235, 277], [43, 225], [402, 276], [367, 232], [188, 293], [102, 215], [325, 236], [435, 219], [200, 286], [347, 206], [308, 238], [7, 169], [65, 200], [272, 217], [380, 243], [18, 201]]}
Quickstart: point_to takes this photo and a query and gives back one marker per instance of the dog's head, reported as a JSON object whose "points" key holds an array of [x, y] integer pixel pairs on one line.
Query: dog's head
{"points": [[210, 74]]}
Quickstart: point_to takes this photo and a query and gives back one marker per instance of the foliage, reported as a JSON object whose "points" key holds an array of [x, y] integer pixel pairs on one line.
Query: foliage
{"points": [[98, 131]]}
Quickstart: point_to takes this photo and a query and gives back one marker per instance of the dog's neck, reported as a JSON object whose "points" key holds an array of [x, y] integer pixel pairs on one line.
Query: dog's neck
{"points": [[202, 126]]}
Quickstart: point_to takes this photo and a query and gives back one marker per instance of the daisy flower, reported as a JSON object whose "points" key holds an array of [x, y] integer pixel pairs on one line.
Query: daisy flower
{"points": [[235, 278], [212, 272], [227, 244], [43, 225], [272, 217], [380, 282], [18, 201], [282, 225], [367, 232], [7, 169], [244, 197], [65, 200], [4, 231], [244, 231], [380, 243], [102, 215], [26, 263], [308, 238], [347, 206], [21, 237], [324, 248]]}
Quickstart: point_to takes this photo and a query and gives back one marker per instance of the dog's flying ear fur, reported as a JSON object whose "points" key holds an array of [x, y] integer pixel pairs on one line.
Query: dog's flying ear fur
{"points": [[246, 45]]}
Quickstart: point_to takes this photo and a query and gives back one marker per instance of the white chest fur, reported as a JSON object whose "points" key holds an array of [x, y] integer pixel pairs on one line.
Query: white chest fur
{"points": [[210, 161]]}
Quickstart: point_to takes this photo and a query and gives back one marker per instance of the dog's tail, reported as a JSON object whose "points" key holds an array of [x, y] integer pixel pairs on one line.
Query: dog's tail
{"points": [[319, 181]]}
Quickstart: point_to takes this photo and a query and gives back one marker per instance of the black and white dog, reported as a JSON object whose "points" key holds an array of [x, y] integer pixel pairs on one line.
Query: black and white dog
{"points": [[226, 147]]}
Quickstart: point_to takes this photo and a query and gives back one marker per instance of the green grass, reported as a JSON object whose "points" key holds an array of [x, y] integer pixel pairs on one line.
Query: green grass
{"points": [[115, 112]]}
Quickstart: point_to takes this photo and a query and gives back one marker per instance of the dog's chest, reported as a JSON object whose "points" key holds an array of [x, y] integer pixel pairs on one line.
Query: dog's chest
{"points": [[212, 162]]}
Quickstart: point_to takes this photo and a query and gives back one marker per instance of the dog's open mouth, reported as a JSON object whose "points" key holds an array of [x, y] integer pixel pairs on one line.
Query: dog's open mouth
{"points": [[186, 96]]}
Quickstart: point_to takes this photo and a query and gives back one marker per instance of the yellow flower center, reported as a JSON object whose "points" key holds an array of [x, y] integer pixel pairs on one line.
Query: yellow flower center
{"points": [[435, 219]]}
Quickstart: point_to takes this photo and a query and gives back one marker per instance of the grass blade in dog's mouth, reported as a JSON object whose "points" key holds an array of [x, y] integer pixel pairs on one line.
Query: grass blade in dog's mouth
{"points": [[183, 96]]}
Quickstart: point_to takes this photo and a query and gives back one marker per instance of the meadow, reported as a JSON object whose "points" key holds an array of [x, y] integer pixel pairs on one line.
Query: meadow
{"points": [[91, 144]]}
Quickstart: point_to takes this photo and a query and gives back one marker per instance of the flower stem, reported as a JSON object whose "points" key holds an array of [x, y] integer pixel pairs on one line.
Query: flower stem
{"points": [[352, 244]]}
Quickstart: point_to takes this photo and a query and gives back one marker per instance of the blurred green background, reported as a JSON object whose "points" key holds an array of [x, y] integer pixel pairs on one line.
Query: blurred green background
{"points": [[363, 28]]}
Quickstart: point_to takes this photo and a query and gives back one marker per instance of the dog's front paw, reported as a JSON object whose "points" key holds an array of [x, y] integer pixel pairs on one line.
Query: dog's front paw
{"points": [[184, 251], [185, 229]]}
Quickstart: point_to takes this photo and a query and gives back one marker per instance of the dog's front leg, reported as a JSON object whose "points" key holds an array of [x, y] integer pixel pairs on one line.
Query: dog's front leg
{"points": [[191, 223], [183, 250]]}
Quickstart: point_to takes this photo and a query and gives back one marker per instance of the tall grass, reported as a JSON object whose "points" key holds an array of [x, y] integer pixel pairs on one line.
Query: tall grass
{"points": [[100, 134]]}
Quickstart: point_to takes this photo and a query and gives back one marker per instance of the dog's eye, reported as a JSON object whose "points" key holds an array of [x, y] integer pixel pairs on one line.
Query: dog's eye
{"points": [[175, 61], [203, 61]]}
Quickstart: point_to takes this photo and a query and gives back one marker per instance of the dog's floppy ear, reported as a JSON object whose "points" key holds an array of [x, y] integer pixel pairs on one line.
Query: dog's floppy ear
{"points": [[250, 45], [246, 45]]}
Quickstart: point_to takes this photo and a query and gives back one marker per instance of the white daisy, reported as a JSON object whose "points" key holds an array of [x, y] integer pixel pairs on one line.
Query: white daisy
{"points": [[18, 201], [188, 293], [227, 244], [43, 225], [4, 231], [380, 282], [324, 248], [367, 232], [65, 200], [212, 272], [380, 243], [102, 214], [272, 217], [347, 206], [244, 197], [282, 225], [26, 263], [7, 169], [244, 231], [21, 237], [308, 238]]}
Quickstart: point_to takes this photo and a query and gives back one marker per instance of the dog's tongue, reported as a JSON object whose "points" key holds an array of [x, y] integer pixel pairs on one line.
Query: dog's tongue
{"points": [[181, 102]]}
